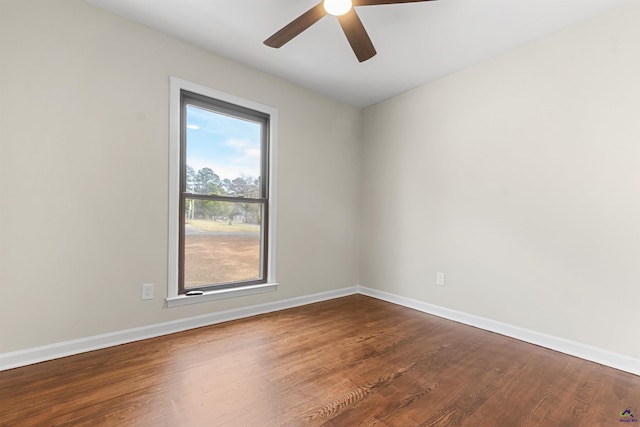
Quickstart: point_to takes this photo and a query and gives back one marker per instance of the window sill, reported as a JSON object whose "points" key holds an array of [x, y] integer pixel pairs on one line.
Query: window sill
{"points": [[240, 291]]}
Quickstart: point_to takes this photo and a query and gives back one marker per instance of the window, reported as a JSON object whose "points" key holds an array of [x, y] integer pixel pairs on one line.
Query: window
{"points": [[222, 215]]}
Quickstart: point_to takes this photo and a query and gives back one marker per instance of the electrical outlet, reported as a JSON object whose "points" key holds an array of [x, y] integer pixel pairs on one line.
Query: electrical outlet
{"points": [[147, 290], [440, 279]]}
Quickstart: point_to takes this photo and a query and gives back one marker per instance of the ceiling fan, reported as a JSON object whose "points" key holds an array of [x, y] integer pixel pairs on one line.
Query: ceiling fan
{"points": [[349, 21]]}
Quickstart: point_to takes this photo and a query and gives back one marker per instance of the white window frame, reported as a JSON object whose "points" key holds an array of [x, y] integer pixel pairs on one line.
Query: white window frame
{"points": [[176, 85]]}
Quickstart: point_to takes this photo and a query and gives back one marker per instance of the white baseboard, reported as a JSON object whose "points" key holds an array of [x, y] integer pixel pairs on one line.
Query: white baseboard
{"points": [[29, 356], [43, 353], [583, 351]]}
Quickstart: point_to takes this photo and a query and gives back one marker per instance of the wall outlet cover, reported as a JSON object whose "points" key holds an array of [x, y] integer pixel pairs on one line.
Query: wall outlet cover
{"points": [[147, 291]]}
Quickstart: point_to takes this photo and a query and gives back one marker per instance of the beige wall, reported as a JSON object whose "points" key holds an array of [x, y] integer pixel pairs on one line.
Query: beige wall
{"points": [[84, 169], [520, 179]]}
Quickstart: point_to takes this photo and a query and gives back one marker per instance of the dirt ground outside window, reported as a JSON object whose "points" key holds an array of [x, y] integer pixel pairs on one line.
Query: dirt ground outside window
{"points": [[220, 257]]}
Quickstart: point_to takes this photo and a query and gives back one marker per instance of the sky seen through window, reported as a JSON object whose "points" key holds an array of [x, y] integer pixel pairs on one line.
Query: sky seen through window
{"points": [[228, 145]]}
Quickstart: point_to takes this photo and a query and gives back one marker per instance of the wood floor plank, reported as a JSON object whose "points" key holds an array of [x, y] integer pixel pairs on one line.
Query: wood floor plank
{"points": [[353, 361]]}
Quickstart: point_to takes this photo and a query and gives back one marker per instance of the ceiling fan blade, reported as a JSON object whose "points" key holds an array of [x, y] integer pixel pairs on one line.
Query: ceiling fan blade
{"points": [[377, 2], [357, 36], [295, 27]]}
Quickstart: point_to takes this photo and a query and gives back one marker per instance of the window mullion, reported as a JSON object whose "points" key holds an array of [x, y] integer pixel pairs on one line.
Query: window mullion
{"points": [[225, 198]]}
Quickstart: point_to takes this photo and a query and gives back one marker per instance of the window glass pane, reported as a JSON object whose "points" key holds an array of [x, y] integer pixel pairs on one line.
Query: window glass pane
{"points": [[222, 154], [222, 242]]}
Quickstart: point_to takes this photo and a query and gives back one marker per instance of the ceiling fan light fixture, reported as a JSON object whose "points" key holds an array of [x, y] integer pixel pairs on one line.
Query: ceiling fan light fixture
{"points": [[337, 7]]}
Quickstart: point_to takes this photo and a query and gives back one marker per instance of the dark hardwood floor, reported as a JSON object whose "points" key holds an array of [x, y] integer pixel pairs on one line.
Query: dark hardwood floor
{"points": [[347, 362]]}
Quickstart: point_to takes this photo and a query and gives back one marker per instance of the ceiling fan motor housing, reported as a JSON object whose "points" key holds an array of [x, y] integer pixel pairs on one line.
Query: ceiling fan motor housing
{"points": [[337, 7]]}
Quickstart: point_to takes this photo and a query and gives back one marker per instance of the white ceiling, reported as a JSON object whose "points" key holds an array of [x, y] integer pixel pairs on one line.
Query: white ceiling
{"points": [[416, 42]]}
